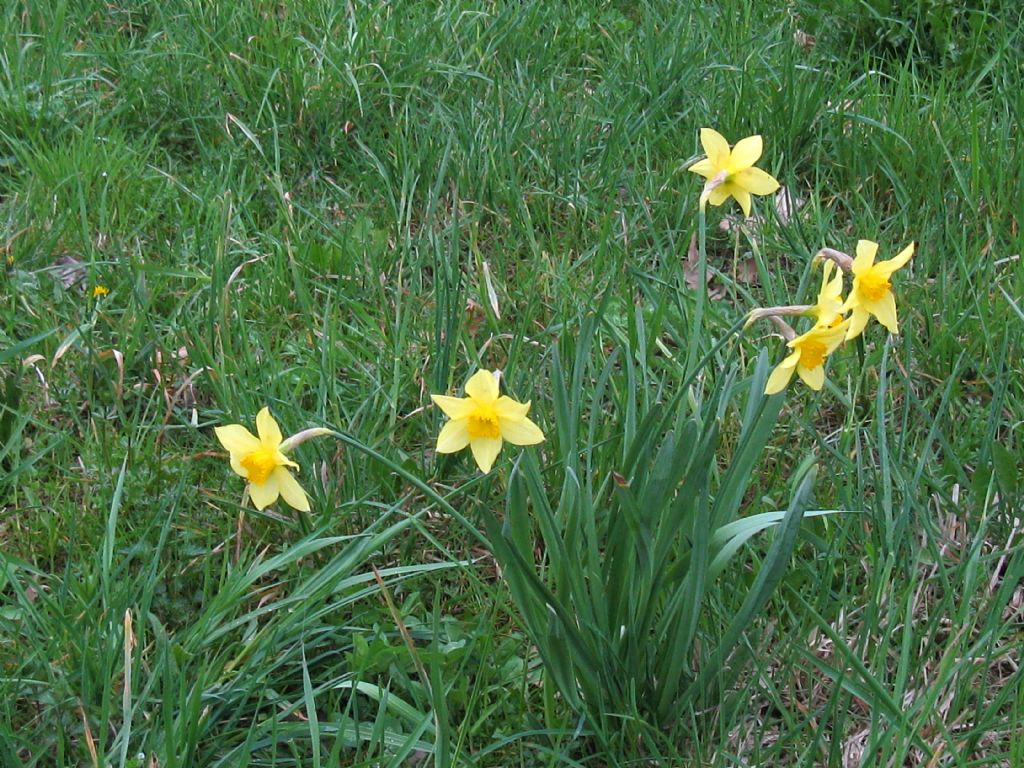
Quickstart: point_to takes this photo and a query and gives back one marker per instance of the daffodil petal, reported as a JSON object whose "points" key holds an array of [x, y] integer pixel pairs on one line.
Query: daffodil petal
{"points": [[827, 312], [454, 436], [888, 267], [520, 431], [746, 152], [756, 181], [720, 194], [743, 198], [485, 451], [834, 336], [237, 439], [885, 310], [793, 357], [830, 298], [715, 146], [507, 408], [236, 464], [290, 489], [858, 321], [704, 167], [265, 494], [267, 429], [779, 379], [483, 386], [834, 287], [454, 407], [812, 377], [283, 461], [866, 250]]}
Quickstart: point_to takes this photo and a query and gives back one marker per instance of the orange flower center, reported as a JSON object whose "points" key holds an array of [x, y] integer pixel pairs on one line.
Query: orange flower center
{"points": [[873, 285], [812, 354], [483, 423], [259, 465]]}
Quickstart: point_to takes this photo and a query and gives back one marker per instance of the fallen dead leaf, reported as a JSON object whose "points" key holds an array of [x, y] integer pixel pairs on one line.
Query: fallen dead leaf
{"points": [[691, 273], [746, 271], [70, 271]]}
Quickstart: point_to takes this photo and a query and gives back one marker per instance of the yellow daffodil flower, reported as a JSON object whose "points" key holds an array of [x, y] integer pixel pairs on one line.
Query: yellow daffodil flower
{"points": [[807, 359], [262, 460], [872, 291], [829, 306], [482, 420], [732, 173]]}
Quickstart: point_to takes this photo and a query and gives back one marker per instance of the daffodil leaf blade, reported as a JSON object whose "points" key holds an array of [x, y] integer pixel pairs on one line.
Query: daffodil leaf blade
{"points": [[768, 576]]}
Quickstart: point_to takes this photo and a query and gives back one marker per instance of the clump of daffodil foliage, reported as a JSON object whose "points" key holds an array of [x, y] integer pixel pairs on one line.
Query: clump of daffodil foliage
{"points": [[614, 602]]}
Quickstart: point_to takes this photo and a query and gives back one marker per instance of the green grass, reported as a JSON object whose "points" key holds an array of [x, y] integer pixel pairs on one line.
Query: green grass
{"points": [[309, 205]]}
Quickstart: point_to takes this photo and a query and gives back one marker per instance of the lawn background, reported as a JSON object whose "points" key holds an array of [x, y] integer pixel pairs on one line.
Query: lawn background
{"points": [[337, 209]]}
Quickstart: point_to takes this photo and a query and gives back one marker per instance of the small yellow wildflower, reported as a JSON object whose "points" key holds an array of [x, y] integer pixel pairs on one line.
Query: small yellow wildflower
{"points": [[872, 291], [732, 173], [262, 460], [807, 359], [482, 420], [100, 290], [829, 307]]}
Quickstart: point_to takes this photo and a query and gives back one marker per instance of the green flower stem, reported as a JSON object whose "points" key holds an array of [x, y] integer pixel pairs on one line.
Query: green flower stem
{"points": [[702, 297]]}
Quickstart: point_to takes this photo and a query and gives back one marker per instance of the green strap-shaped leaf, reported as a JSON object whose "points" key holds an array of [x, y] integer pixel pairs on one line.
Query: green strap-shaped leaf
{"points": [[767, 579], [21, 346], [729, 538]]}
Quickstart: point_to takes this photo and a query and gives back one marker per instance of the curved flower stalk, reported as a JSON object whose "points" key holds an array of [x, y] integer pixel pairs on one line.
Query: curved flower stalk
{"points": [[263, 460], [731, 173], [483, 420]]}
